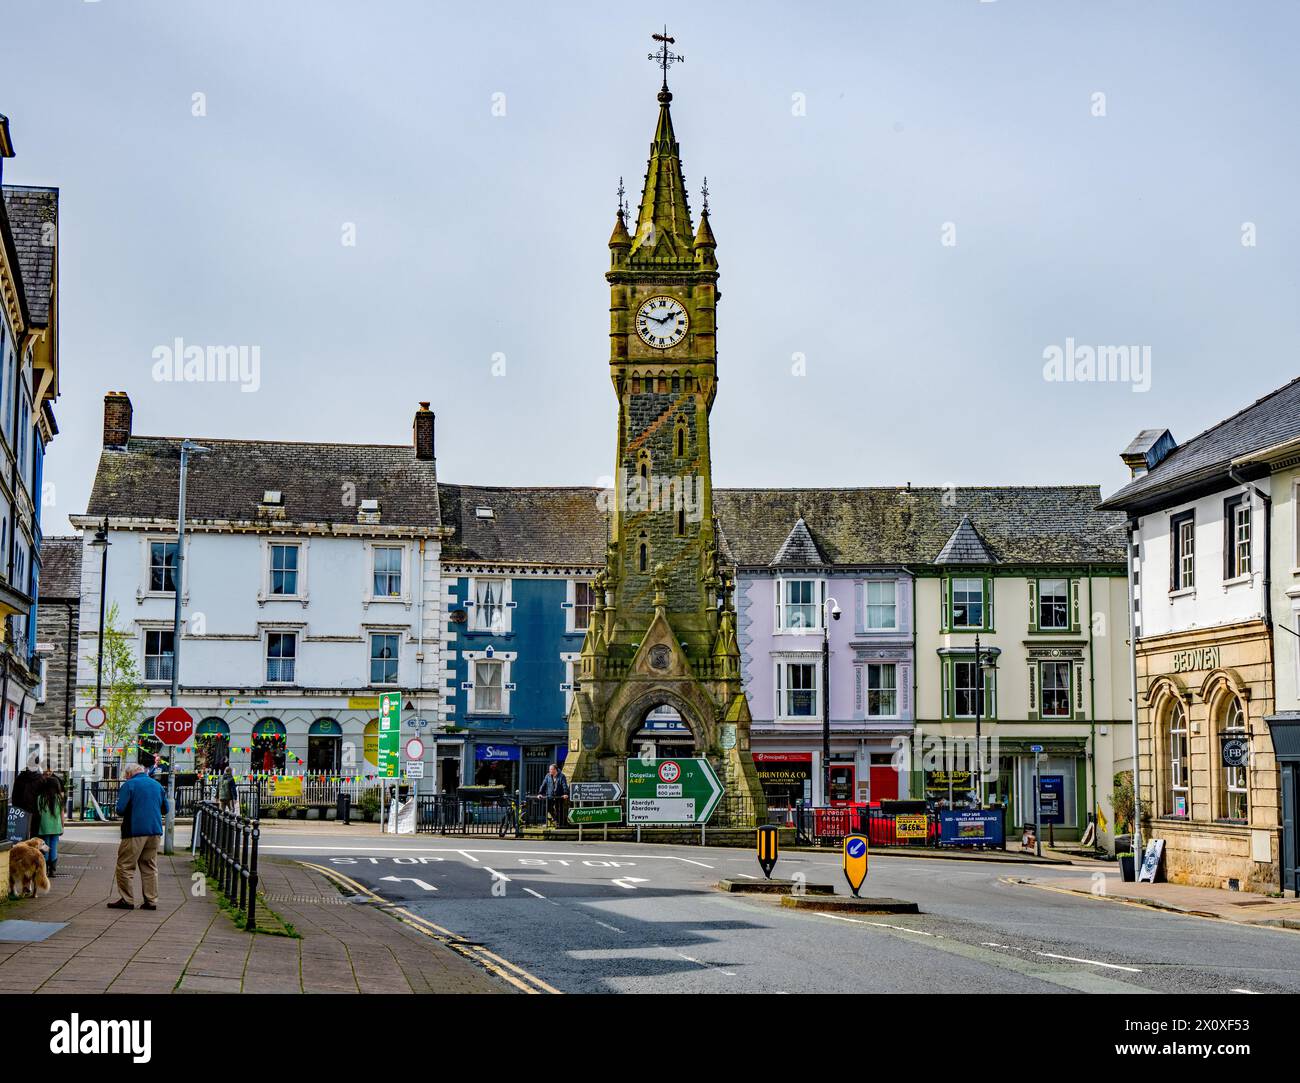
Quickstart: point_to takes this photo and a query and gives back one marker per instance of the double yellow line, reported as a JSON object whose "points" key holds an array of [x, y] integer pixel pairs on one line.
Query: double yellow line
{"points": [[507, 971]]}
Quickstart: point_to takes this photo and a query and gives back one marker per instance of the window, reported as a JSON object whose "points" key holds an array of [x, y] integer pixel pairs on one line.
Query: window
{"points": [[159, 651], [796, 690], [1234, 800], [281, 654], [968, 603], [1236, 538], [1177, 766], [882, 690], [383, 658], [584, 600], [798, 605], [963, 676], [162, 567], [882, 605], [1053, 603], [490, 606], [488, 686], [1182, 541], [1054, 689], [388, 571], [284, 570]]}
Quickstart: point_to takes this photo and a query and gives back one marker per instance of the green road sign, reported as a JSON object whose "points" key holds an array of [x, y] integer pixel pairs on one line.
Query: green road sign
{"points": [[602, 814], [676, 791], [390, 734]]}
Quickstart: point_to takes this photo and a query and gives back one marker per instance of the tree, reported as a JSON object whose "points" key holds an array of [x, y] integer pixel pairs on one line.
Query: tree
{"points": [[1121, 800], [124, 698]]}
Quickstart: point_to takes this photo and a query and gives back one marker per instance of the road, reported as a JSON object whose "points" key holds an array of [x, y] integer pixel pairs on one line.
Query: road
{"points": [[604, 917]]}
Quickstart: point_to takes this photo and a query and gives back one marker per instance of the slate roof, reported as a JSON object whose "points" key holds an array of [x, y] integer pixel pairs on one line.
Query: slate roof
{"points": [[1274, 419], [60, 567], [965, 546], [29, 209], [539, 526], [228, 481], [798, 549], [1026, 525]]}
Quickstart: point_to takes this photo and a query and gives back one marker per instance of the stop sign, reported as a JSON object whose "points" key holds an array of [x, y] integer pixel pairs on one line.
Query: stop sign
{"points": [[173, 726]]}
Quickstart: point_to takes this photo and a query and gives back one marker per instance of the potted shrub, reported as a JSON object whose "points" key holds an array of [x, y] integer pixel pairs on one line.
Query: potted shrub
{"points": [[369, 805], [1127, 871]]}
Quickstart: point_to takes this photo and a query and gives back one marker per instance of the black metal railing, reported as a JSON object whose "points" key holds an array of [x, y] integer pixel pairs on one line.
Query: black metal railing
{"points": [[821, 826], [227, 842], [476, 814], [105, 792]]}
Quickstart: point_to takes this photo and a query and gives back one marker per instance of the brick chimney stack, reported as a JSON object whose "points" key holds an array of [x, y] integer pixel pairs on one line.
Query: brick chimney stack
{"points": [[422, 431], [117, 419]]}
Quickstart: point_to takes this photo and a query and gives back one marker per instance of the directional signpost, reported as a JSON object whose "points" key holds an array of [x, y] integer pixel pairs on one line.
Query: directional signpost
{"points": [[390, 733], [601, 814], [677, 791], [608, 792], [768, 849], [855, 861]]}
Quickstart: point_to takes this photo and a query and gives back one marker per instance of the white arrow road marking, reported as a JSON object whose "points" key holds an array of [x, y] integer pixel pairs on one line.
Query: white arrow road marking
{"points": [[629, 882], [297, 849], [409, 880]]}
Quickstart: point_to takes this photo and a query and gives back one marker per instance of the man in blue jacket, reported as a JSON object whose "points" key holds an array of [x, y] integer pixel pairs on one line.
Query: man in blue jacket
{"points": [[141, 803]]}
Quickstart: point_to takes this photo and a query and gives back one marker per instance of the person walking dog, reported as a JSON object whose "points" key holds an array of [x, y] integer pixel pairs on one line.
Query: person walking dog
{"points": [[142, 803]]}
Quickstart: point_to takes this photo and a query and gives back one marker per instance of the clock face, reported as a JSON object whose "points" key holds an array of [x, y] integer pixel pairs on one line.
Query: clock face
{"points": [[661, 322]]}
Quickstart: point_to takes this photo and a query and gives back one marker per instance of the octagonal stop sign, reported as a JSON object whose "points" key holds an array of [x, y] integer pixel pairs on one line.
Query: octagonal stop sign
{"points": [[173, 725]]}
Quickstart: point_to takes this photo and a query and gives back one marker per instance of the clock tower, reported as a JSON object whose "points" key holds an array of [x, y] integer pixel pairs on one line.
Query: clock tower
{"points": [[663, 629]]}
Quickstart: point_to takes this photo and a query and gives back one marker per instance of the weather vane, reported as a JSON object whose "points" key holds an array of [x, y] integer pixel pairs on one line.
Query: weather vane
{"points": [[704, 193], [622, 204], [663, 57]]}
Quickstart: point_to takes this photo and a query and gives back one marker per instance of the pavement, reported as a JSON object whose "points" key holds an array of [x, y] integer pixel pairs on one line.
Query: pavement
{"points": [[1243, 907], [188, 945]]}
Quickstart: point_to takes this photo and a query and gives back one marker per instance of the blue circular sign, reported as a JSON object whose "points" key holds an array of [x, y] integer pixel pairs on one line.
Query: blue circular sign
{"points": [[856, 848]]}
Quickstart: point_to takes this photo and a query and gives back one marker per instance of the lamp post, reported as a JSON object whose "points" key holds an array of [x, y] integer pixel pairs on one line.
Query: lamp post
{"points": [[985, 662], [187, 448], [826, 695], [100, 541]]}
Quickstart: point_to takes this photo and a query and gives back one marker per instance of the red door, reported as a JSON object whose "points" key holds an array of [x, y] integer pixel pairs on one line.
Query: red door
{"points": [[884, 783]]}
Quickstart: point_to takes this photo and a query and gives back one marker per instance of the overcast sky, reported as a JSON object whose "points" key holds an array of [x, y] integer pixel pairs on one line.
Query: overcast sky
{"points": [[844, 144]]}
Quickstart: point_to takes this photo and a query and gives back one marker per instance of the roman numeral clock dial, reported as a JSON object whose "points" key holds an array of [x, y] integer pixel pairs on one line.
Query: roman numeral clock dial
{"points": [[661, 322]]}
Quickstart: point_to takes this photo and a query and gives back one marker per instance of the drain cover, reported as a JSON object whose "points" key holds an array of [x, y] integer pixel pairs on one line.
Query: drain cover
{"points": [[29, 932]]}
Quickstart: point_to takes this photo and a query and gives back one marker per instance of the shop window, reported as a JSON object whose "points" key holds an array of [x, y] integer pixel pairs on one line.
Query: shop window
{"points": [[1177, 765], [1234, 798]]}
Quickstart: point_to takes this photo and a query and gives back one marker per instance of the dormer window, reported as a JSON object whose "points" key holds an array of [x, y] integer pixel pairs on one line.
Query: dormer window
{"points": [[370, 506], [273, 498]]}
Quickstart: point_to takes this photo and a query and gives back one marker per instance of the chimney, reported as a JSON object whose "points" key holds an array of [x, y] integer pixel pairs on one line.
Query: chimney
{"points": [[1147, 451], [117, 419], [422, 432]]}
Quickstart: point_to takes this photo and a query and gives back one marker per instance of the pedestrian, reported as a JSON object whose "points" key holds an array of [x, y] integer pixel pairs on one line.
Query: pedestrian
{"points": [[555, 788], [49, 817], [227, 793], [142, 803]]}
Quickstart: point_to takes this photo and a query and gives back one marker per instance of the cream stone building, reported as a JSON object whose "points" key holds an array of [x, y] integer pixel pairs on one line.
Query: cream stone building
{"points": [[1201, 519]]}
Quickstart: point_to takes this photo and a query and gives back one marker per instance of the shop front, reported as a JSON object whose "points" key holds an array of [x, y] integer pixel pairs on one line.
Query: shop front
{"points": [[497, 765], [786, 778], [1285, 730]]}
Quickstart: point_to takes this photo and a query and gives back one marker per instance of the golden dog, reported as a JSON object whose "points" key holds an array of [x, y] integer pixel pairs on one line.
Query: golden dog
{"points": [[27, 868]]}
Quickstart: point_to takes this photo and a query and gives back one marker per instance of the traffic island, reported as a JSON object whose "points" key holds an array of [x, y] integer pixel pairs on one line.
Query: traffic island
{"points": [[774, 887], [849, 903]]}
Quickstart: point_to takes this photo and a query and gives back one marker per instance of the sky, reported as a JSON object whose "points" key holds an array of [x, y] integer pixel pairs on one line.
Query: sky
{"points": [[917, 205]]}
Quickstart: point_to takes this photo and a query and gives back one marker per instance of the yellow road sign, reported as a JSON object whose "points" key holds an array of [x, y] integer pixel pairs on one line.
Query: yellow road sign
{"points": [[768, 849], [855, 860]]}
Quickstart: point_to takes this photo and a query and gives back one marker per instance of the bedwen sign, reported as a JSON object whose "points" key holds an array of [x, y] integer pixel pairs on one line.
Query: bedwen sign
{"points": [[676, 791]]}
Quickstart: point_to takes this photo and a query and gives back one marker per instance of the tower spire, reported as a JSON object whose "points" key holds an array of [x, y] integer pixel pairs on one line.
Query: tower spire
{"points": [[663, 225]]}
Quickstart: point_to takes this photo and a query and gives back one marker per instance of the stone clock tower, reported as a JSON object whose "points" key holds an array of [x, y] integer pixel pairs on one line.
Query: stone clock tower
{"points": [[663, 630]]}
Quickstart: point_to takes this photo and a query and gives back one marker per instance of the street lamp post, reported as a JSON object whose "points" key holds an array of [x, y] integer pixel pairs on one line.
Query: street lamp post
{"points": [[187, 447], [100, 541], [826, 695], [984, 664]]}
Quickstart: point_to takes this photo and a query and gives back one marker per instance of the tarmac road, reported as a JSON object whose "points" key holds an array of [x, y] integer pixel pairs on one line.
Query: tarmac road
{"points": [[607, 917]]}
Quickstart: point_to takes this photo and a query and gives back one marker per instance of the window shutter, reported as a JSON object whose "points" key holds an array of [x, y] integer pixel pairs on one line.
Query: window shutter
{"points": [[1033, 605]]}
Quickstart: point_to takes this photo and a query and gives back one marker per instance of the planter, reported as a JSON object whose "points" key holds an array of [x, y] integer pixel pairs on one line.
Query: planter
{"points": [[1126, 868]]}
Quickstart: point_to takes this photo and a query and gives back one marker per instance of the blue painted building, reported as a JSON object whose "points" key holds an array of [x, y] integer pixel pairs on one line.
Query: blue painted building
{"points": [[516, 572]]}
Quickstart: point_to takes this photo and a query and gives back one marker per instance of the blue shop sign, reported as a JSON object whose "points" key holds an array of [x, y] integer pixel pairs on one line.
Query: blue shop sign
{"points": [[971, 827], [497, 753]]}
